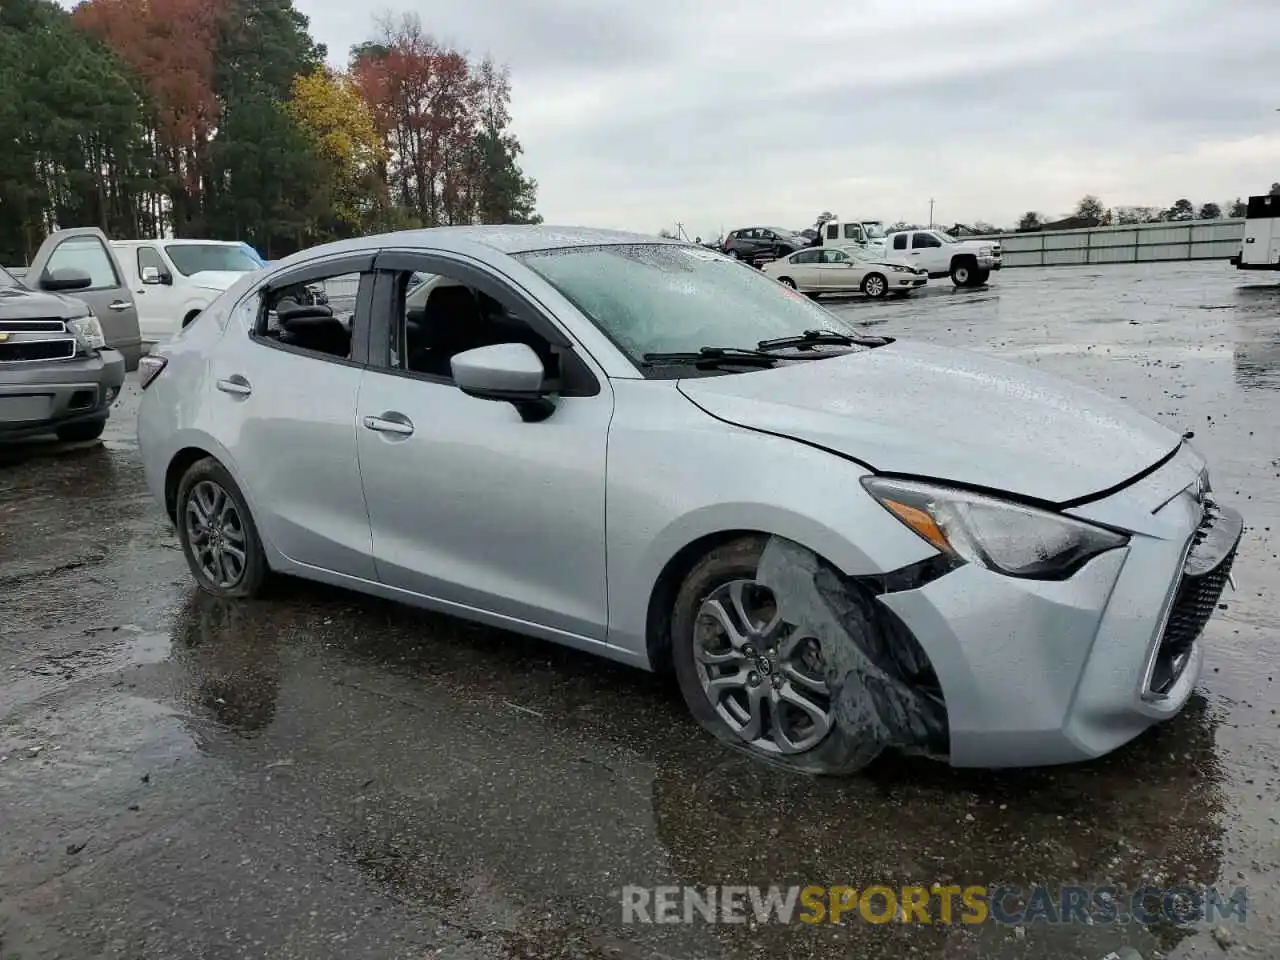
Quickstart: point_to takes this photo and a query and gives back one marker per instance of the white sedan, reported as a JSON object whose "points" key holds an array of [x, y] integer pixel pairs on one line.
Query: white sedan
{"points": [[832, 270]]}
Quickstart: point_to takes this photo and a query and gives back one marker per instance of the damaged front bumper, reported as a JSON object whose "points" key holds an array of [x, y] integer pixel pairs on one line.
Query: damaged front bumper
{"points": [[1045, 672]]}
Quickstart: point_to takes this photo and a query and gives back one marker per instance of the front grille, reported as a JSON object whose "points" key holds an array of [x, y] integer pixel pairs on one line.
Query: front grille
{"points": [[32, 326], [1198, 594], [28, 351]]}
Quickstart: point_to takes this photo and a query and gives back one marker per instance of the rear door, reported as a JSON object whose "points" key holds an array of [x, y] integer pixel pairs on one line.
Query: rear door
{"points": [[108, 295]]}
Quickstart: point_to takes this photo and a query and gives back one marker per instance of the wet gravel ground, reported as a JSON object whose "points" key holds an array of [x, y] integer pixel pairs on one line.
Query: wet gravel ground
{"points": [[324, 775]]}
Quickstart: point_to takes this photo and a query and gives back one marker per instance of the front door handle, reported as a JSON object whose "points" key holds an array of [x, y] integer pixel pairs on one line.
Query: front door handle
{"points": [[396, 423], [119, 305], [235, 385]]}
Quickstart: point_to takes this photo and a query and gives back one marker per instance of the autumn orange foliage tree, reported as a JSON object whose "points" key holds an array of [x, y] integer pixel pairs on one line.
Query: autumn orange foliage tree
{"points": [[219, 118], [169, 45]]}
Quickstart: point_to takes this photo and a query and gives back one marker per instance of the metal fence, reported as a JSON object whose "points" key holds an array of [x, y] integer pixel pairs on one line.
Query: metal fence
{"points": [[1131, 243]]}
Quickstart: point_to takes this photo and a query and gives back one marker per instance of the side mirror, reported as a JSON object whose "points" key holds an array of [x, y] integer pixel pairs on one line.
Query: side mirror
{"points": [[65, 279], [152, 276], [510, 372]]}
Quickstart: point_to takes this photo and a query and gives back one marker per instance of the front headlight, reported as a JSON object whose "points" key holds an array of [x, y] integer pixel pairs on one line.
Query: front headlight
{"points": [[88, 333], [904, 269], [1005, 537]]}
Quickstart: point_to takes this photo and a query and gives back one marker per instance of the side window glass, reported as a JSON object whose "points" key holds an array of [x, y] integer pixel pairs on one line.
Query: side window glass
{"points": [[315, 317], [147, 257], [440, 317], [87, 254], [852, 231], [833, 231], [834, 256], [900, 241], [925, 240]]}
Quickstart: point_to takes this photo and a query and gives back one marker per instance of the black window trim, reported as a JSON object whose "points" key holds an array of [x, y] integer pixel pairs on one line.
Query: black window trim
{"points": [[322, 269], [106, 250], [389, 264]]}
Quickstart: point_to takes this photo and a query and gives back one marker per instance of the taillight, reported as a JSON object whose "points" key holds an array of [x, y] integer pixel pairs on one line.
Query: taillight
{"points": [[149, 368]]}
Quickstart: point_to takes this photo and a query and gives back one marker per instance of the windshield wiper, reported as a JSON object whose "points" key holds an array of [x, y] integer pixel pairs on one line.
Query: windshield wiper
{"points": [[712, 356], [817, 338]]}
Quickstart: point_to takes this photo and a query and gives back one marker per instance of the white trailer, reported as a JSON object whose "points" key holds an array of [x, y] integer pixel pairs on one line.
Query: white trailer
{"points": [[1260, 249]]}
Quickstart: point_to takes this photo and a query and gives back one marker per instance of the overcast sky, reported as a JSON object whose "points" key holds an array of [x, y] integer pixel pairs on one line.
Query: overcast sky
{"points": [[738, 112]]}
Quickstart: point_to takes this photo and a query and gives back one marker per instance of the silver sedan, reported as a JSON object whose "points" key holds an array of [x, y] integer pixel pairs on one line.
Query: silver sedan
{"points": [[642, 449]]}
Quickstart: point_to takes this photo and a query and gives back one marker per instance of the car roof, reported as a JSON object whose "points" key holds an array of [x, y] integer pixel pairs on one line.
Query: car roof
{"points": [[509, 239], [171, 241]]}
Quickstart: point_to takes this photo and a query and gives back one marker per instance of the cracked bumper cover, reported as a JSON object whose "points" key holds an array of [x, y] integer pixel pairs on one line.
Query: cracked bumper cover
{"points": [[1038, 673]]}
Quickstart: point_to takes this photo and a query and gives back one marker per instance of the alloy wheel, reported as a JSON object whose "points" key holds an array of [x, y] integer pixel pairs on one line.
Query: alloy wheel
{"points": [[875, 286], [765, 678], [215, 530]]}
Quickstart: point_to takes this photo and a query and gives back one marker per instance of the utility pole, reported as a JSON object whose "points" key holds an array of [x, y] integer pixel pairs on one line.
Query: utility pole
{"points": [[931, 213]]}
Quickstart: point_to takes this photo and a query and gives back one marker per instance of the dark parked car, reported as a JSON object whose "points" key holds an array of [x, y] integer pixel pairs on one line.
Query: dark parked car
{"points": [[757, 244]]}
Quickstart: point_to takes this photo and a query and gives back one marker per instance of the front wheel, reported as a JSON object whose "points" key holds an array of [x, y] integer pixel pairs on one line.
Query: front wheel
{"points": [[217, 533], [962, 274], [788, 281], [875, 285], [981, 278], [755, 674], [733, 254]]}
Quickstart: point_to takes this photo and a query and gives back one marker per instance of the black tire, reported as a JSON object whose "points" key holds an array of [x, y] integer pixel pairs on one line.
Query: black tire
{"points": [[733, 254], [788, 281], [254, 570], [981, 278], [82, 431], [875, 285], [963, 271], [837, 753]]}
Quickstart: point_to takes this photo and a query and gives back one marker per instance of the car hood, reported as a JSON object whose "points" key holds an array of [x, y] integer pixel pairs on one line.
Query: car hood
{"points": [[216, 279], [19, 303], [945, 414]]}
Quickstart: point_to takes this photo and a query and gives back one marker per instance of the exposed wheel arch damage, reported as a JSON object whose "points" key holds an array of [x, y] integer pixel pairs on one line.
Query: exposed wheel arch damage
{"points": [[178, 466], [883, 686]]}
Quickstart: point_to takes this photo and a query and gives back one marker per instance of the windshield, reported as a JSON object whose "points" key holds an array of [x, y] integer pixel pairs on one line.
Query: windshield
{"points": [[662, 298], [192, 258], [875, 231], [7, 279]]}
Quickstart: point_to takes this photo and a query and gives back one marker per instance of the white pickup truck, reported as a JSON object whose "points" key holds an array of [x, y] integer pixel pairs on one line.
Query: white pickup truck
{"points": [[968, 262], [173, 280]]}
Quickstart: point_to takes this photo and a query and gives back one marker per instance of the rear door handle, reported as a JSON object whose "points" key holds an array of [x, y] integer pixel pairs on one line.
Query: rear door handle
{"points": [[119, 305], [235, 385], [396, 423]]}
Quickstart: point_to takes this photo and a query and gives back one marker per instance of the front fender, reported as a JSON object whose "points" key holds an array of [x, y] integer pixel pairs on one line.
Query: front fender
{"points": [[677, 475]]}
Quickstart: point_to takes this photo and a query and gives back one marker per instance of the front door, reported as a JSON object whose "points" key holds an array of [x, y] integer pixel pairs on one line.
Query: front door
{"points": [[284, 397], [159, 304], [836, 270], [108, 295], [469, 504]]}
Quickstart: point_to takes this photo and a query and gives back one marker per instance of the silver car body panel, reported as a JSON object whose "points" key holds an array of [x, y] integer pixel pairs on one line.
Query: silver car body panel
{"points": [[562, 528]]}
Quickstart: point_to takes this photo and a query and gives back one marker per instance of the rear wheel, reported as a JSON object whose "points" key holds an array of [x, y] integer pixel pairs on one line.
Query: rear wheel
{"points": [[875, 285], [750, 676], [84, 430], [218, 535]]}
